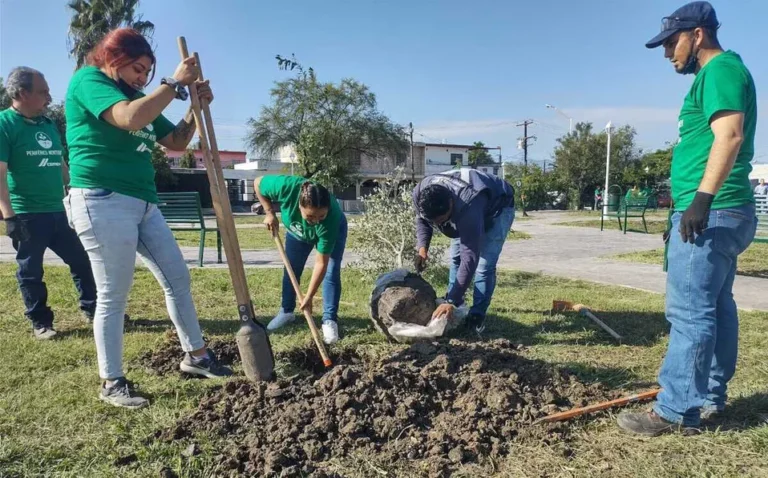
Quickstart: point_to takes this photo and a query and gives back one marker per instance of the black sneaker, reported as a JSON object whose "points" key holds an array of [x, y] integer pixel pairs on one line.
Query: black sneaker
{"points": [[651, 425], [206, 366], [121, 394], [476, 322]]}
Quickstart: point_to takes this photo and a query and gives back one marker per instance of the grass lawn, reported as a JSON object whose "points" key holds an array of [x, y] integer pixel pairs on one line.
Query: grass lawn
{"points": [[752, 262], [635, 225], [52, 424], [259, 238]]}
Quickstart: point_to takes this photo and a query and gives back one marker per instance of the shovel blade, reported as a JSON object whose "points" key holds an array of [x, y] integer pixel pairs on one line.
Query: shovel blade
{"points": [[255, 352]]}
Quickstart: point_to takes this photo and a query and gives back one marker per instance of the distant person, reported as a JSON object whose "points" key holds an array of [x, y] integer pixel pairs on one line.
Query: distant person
{"points": [[476, 210], [633, 193], [313, 220], [762, 188], [32, 178], [715, 217], [598, 197], [112, 127]]}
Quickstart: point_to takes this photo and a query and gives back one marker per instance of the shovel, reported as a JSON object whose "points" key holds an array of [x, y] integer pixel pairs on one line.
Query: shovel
{"points": [[564, 305], [310, 321], [252, 340]]}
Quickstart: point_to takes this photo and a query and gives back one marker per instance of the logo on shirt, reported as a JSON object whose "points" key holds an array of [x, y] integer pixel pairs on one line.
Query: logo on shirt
{"points": [[45, 163], [142, 148], [43, 140], [296, 229], [149, 127]]}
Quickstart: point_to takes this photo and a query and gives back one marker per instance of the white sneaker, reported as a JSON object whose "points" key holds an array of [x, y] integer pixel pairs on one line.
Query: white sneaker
{"points": [[330, 332], [281, 319]]}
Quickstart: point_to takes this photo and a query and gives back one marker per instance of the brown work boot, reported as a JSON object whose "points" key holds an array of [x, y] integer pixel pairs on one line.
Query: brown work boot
{"points": [[651, 425]]}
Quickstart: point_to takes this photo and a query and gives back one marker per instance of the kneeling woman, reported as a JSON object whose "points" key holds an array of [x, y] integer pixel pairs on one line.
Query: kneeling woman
{"points": [[313, 218], [112, 204]]}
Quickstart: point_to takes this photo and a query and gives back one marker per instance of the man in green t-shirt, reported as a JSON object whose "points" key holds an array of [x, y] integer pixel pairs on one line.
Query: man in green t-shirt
{"points": [[715, 217], [32, 176]]}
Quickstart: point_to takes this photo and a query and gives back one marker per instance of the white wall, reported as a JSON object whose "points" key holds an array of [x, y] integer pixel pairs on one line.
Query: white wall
{"points": [[284, 154], [441, 155]]}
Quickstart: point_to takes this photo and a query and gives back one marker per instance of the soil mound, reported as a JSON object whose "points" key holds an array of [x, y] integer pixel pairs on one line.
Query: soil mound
{"points": [[437, 405]]}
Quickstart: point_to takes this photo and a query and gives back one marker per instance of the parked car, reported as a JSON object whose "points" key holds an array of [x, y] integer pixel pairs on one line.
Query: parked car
{"points": [[258, 208]]}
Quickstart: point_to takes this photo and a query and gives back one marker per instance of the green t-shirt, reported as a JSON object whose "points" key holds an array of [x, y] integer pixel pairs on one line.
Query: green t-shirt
{"points": [[102, 155], [285, 190], [723, 84], [34, 153]]}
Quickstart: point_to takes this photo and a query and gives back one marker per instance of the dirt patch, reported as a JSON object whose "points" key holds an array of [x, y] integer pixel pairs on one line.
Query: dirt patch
{"points": [[434, 406], [165, 359]]}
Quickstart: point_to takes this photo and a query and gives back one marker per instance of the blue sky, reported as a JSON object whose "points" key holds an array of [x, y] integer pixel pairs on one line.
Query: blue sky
{"points": [[459, 70]]}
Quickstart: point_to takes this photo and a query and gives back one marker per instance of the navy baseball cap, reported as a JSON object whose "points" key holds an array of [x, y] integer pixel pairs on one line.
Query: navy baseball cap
{"points": [[687, 17]]}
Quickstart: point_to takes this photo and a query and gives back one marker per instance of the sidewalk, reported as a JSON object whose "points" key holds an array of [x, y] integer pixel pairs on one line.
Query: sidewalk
{"points": [[562, 251]]}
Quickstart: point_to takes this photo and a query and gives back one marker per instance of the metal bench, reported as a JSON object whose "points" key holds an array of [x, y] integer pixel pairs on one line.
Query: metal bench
{"points": [[628, 208], [183, 212]]}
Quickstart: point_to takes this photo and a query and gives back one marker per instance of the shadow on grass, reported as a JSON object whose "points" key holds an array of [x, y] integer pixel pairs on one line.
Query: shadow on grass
{"points": [[635, 328], [742, 413]]}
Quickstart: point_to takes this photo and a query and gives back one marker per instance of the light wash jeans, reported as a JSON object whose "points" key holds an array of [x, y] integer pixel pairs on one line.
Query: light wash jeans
{"points": [[113, 228], [485, 275], [704, 338], [298, 252]]}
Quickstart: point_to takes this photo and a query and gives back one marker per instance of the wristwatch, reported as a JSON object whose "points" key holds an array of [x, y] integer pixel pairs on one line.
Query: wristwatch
{"points": [[181, 92]]}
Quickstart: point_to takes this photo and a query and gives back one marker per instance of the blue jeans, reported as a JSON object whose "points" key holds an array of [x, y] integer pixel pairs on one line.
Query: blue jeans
{"points": [[298, 251], [485, 275], [703, 341], [113, 228], [50, 230]]}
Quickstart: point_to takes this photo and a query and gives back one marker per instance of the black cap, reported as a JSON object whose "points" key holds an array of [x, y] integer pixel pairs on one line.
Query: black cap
{"points": [[687, 17]]}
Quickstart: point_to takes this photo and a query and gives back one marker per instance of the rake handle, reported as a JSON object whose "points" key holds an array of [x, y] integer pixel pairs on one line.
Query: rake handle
{"points": [[575, 412]]}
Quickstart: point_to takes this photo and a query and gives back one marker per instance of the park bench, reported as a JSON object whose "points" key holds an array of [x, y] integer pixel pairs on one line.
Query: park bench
{"points": [[183, 212], [628, 208]]}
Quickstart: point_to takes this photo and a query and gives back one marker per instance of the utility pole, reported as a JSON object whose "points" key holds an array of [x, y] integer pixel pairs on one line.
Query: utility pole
{"points": [[523, 144], [413, 161]]}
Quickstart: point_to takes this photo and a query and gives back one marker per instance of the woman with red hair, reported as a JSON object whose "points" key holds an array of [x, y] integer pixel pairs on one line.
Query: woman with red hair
{"points": [[112, 127]]}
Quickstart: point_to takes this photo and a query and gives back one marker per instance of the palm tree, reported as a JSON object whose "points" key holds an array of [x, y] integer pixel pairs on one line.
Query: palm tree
{"points": [[92, 19]]}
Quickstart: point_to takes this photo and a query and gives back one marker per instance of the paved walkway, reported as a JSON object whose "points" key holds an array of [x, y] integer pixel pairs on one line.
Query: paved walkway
{"points": [[584, 253], [571, 252]]}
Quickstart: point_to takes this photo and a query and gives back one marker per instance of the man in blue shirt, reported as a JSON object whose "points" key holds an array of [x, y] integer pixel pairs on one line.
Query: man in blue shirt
{"points": [[476, 211]]}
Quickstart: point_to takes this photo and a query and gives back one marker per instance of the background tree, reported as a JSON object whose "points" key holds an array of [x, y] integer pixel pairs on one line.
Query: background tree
{"points": [[56, 113], [535, 185], [580, 160], [188, 160], [92, 19], [164, 178], [385, 234], [651, 169], [479, 156], [5, 100], [330, 125]]}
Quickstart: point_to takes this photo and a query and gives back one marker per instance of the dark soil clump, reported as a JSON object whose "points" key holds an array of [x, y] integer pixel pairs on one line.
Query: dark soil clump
{"points": [[435, 406]]}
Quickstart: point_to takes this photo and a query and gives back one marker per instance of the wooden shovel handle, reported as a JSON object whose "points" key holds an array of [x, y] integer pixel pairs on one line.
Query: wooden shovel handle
{"points": [[312, 327]]}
